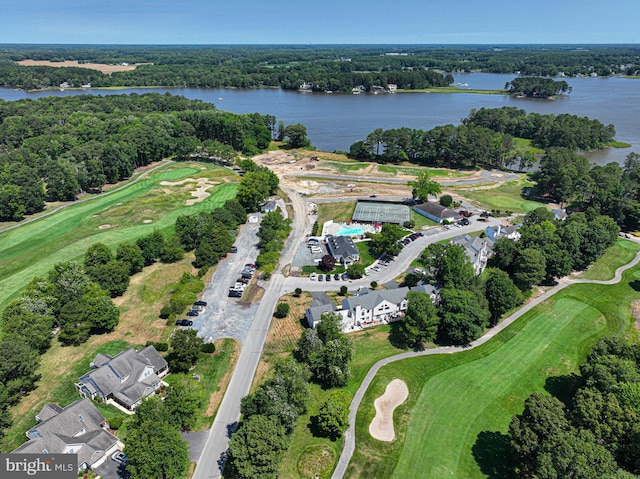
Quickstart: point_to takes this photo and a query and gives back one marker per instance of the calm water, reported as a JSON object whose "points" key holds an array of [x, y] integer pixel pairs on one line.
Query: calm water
{"points": [[335, 121]]}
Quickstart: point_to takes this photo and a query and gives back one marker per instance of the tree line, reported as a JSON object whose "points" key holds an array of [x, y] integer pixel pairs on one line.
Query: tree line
{"points": [[55, 148], [330, 67], [595, 431], [484, 139], [536, 87]]}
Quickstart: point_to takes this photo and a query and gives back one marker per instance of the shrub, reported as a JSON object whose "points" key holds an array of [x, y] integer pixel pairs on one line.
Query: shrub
{"points": [[165, 312], [355, 271], [208, 348], [343, 290], [115, 422], [446, 201], [282, 310], [161, 347], [297, 293], [409, 224], [327, 263], [374, 284]]}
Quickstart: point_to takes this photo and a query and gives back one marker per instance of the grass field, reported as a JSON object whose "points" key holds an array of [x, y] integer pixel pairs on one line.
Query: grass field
{"points": [[421, 221], [32, 249], [621, 253], [336, 211], [455, 421], [505, 197]]}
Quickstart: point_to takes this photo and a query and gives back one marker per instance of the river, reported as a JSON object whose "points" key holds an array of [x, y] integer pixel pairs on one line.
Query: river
{"points": [[335, 121]]}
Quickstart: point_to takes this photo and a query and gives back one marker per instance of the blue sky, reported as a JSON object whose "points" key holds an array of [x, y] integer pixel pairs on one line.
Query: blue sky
{"points": [[313, 22]]}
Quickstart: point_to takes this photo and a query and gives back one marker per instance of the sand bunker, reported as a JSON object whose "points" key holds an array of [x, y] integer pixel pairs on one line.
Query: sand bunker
{"points": [[147, 221], [104, 227], [381, 428], [200, 193]]}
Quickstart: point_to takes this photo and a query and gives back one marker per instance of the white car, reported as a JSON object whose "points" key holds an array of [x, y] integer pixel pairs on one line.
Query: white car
{"points": [[312, 276]]}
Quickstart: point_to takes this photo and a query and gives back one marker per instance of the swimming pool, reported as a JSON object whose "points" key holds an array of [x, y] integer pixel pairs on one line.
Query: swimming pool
{"points": [[346, 231]]}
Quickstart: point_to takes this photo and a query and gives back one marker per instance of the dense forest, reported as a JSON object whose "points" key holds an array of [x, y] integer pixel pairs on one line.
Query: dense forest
{"points": [[536, 87], [595, 432], [485, 138], [55, 148], [335, 68]]}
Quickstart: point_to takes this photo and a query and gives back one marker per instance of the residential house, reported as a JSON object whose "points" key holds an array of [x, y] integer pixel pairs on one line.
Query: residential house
{"points": [[559, 214], [436, 212], [269, 206], [125, 379], [431, 290], [314, 312], [343, 249], [495, 232], [477, 250], [374, 307], [78, 429]]}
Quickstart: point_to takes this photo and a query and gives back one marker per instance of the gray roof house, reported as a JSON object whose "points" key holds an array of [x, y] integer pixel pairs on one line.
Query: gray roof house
{"points": [[435, 212], [496, 232], [315, 311], [477, 250], [343, 249], [78, 429], [374, 307], [431, 290], [124, 379]]}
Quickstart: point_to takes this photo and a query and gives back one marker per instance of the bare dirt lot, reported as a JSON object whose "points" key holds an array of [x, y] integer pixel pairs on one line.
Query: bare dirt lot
{"points": [[101, 67]]}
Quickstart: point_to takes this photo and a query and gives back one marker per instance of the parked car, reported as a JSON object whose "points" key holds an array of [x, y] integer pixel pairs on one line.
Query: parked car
{"points": [[233, 249], [312, 276], [192, 313], [375, 268], [200, 303], [251, 265], [336, 277], [328, 277], [235, 294], [184, 322], [120, 457], [197, 308], [344, 277], [243, 280], [321, 277]]}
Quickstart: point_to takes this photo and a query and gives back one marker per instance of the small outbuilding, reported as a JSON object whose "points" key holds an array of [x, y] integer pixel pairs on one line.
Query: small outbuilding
{"points": [[436, 212]]}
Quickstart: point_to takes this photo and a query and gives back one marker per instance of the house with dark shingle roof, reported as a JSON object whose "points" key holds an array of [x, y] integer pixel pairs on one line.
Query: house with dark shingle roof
{"points": [[343, 249], [435, 212], [125, 379], [477, 250], [78, 429], [315, 311]]}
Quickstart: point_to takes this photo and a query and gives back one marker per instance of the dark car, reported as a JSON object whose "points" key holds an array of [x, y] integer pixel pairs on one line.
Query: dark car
{"points": [[328, 277], [120, 457], [200, 303], [336, 277], [344, 276], [235, 294], [234, 249], [373, 196], [192, 313], [464, 222], [184, 322]]}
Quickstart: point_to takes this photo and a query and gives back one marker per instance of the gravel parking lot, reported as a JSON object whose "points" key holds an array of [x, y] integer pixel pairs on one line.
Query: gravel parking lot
{"points": [[225, 317]]}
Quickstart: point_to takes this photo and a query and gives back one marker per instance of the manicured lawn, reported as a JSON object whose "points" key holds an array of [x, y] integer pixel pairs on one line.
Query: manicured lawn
{"points": [[32, 249], [506, 197], [336, 211], [421, 221], [414, 170], [314, 269], [621, 253], [524, 144], [459, 407], [365, 256], [346, 166]]}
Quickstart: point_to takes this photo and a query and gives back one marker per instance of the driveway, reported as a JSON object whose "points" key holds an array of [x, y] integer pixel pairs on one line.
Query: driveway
{"points": [[111, 469], [196, 442], [226, 317]]}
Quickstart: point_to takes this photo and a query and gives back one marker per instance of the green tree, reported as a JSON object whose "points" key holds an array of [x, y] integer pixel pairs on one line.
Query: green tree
{"points": [[333, 417], [529, 268], [256, 449], [151, 246], [112, 276], [154, 445], [355, 271], [308, 346], [453, 269], [386, 241], [130, 254], [424, 186], [282, 310], [331, 364], [18, 364], [185, 350], [182, 402], [463, 316], [420, 324], [502, 295], [297, 135]]}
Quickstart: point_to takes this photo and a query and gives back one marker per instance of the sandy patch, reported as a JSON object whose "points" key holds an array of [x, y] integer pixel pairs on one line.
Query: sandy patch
{"points": [[199, 194], [635, 311], [381, 428], [101, 67], [104, 227], [147, 221]]}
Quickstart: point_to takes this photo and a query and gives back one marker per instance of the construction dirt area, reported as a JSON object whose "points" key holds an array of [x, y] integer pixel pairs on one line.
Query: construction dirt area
{"points": [[329, 176]]}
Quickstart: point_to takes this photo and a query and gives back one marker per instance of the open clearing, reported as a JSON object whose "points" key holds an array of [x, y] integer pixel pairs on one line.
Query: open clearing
{"points": [[101, 67], [455, 421], [67, 234]]}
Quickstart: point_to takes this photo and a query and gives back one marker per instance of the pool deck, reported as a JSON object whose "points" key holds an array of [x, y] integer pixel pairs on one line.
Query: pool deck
{"points": [[332, 228]]}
